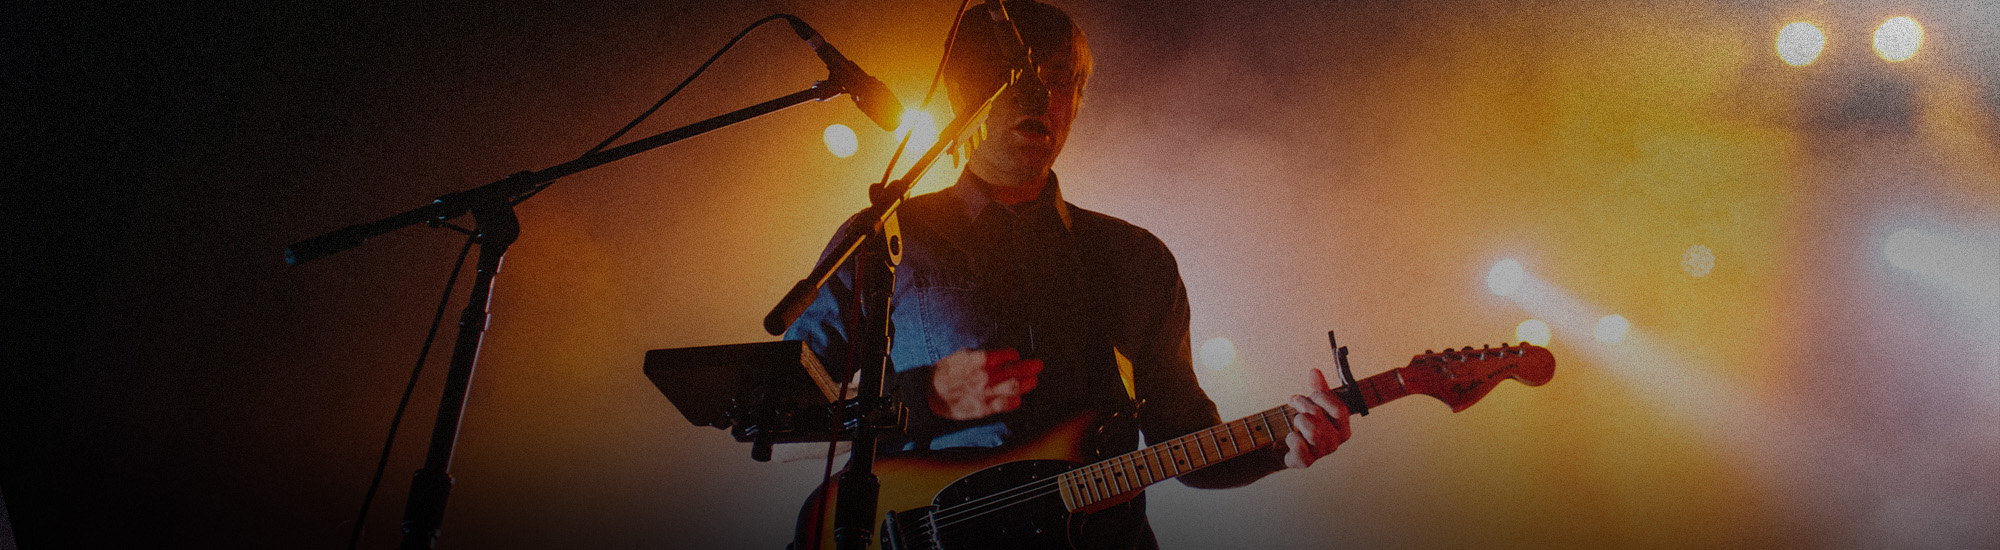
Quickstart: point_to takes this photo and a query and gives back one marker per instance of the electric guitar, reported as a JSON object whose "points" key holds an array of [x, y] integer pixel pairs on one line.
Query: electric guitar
{"points": [[1040, 494]]}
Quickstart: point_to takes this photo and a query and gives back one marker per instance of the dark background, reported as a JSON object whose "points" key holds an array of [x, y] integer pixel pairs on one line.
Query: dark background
{"points": [[172, 384]]}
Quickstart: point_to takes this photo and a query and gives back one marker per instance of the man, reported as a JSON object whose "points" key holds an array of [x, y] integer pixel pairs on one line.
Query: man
{"points": [[1016, 312]]}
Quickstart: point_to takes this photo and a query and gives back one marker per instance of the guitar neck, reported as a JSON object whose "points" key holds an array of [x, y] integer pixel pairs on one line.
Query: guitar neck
{"points": [[1115, 480]]}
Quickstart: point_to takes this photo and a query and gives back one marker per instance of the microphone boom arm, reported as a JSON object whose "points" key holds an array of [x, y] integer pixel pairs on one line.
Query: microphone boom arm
{"points": [[514, 188]]}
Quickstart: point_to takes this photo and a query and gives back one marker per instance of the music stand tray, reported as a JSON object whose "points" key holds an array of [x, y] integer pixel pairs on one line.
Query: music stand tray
{"points": [[705, 382]]}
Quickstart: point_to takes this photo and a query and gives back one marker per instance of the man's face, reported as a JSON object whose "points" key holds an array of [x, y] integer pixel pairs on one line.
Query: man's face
{"points": [[1021, 146]]}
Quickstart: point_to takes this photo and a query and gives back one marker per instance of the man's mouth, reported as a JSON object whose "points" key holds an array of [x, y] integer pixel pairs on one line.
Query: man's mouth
{"points": [[1033, 127]]}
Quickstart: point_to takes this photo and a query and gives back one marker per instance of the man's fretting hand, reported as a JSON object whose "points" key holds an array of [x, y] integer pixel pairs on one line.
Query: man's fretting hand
{"points": [[973, 384], [1319, 427]]}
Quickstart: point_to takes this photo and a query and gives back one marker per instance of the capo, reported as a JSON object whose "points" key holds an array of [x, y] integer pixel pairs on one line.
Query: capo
{"points": [[1349, 392]]}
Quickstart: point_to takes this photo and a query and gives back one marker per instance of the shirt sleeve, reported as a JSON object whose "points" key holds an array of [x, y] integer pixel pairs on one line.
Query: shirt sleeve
{"points": [[823, 327], [1152, 330]]}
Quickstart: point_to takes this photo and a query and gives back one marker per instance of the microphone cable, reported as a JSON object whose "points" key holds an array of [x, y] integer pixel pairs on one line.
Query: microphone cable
{"points": [[395, 422], [437, 320], [670, 95]]}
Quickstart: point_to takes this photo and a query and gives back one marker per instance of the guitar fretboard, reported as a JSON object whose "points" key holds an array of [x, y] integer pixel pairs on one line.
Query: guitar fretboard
{"points": [[1132, 472]]}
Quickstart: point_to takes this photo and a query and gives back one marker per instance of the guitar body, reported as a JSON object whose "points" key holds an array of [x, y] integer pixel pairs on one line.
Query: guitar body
{"points": [[915, 484], [1051, 493]]}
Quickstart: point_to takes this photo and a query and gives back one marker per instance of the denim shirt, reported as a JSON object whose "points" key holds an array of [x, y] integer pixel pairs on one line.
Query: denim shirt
{"points": [[1078, 289]]}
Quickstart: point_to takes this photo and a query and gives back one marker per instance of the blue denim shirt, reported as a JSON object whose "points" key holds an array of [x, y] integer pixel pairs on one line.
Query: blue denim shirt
{"points": [[1078, 289]]}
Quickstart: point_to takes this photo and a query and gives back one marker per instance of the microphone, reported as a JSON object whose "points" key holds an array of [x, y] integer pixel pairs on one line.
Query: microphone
{"points": [[1030, 94], [869, 94]]}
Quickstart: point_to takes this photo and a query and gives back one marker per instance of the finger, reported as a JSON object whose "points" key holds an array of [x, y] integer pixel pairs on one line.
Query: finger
{"points": [[1004, 404], [1305, 406], [1297, 454], [1002, 356], [1005, 388], [1016, 369], [1337, 421], [1323, 434], [1318, 382]]}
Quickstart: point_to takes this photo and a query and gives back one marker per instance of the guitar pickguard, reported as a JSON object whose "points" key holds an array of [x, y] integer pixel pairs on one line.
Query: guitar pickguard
{"points": [[1006, 507]]}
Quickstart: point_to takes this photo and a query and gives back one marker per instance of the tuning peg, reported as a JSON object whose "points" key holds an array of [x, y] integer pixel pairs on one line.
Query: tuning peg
{"points": [[1483, 347], [1429, 352]]}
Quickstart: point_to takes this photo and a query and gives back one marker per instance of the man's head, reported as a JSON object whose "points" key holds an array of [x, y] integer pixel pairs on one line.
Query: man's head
{"points": [[1018, 146]]}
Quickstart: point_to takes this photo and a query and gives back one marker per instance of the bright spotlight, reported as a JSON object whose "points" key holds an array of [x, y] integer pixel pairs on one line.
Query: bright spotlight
{"points": [[1612, 329], [1698, 261], [1800, 43], [1898, 39], [1532, 331], [1218, 352], [840, 140], [1968, 268], [1505, 278], [925, 130]]}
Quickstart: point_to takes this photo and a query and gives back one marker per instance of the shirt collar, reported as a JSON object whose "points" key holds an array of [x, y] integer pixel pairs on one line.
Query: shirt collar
{"points": [[973, 192]]}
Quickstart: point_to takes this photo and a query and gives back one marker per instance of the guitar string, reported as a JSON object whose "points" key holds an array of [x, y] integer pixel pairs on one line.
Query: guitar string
{"points": [[959, 513], [977, 504], [983, 508]]}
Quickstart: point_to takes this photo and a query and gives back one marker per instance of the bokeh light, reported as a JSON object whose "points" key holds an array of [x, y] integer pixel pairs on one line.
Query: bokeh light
{"points": [[1506, 277], [840, 140], [1972, 269], [1533, 331], [1698, 261], [1217, 353], [1799, 43], [1612, 329], [1898, 39]]}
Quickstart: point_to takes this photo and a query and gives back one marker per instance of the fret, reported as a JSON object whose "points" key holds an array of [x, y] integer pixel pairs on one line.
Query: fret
{"points": [[1123, 477], [1179, 458], [1153, 475], [1200, 456], [1230, 429], [1252, 428], [1223, 442], [1102, 478]]}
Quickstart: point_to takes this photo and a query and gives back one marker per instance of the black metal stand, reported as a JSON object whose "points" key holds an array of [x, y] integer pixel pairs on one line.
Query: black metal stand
{"points": [[496, 230], [492, 209]]}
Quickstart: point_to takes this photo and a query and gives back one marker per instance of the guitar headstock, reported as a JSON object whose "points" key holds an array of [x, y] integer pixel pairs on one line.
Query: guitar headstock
{"points": [[1461, 377]]}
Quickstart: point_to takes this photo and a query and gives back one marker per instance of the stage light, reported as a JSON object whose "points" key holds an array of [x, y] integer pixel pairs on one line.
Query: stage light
{"points": [[1970, 269], [1217, 353], [1898, 39], [840, 140], [1698, 261], [1505, 278], [1612, 329], [1532, 331], [1800, 43], [925, 131]]}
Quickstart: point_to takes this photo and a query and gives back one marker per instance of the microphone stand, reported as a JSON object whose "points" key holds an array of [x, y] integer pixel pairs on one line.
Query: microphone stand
{"points": [[495, 228], [876, 253]]}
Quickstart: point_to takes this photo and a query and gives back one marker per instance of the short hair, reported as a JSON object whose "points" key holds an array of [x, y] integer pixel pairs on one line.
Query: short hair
{"points": [[976, 66]]}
